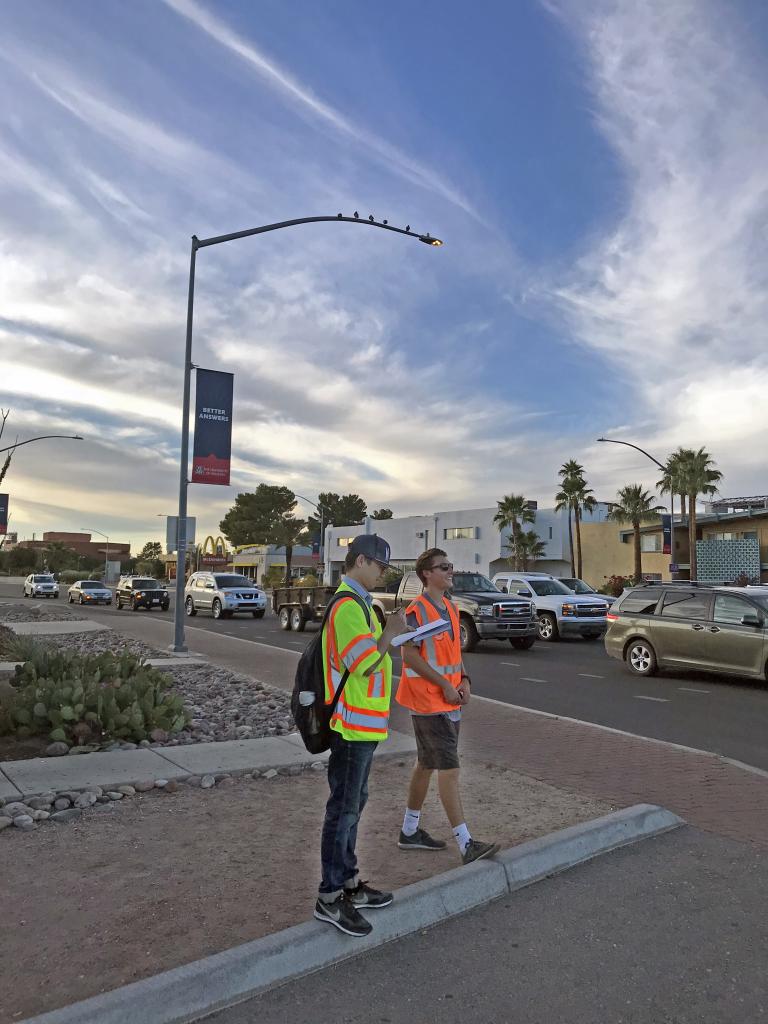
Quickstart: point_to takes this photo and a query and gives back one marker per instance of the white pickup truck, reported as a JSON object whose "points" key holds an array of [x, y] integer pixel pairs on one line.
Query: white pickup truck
{"points": [[560, 611]]}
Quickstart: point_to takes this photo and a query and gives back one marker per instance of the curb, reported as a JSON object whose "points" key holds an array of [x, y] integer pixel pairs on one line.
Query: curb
{"points": [[185, 994]]}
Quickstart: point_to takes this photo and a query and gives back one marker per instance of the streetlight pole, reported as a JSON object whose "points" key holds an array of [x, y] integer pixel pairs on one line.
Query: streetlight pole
{"points": [[320, 509], [179, 645], [106, 556], [627, 444], [43, 437]]}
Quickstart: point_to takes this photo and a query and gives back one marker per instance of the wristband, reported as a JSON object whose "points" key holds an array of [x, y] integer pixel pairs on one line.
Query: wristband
{"points": [[466, 677]]}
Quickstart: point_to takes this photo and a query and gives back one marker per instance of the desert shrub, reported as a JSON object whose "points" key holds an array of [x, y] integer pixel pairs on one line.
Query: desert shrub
{"points": [[80, 699], [614, 585], [70, 576]]}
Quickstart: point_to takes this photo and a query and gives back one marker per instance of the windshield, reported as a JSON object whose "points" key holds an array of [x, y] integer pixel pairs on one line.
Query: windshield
{"points": [[146, 585], [232, 581], [762, 600], [91, 585], [578, 586], [472, 583], [548, 588], [44, 579]]}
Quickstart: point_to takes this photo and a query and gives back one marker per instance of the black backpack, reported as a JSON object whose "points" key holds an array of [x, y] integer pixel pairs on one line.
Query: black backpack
{"points": [[314, 720]]}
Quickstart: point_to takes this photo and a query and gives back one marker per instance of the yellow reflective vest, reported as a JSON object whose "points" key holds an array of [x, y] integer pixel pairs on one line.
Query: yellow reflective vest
{"points": [[349, 642]]}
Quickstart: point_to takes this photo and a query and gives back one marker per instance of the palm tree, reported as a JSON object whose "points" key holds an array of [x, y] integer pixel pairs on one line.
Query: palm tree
{"points": [[530, 547], [513, 511], [572, 476], [635, 506], [698, 476], [672, 483], [287, 533]]}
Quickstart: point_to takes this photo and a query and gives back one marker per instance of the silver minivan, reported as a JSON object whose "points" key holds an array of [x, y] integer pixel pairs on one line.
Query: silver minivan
{"points": [[223, 594]]}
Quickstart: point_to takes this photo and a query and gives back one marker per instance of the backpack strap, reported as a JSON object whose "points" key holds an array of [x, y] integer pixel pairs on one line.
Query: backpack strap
{"points": [[334, 600]]}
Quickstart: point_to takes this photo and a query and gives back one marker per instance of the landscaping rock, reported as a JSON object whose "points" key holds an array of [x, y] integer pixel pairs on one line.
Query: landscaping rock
{"points": [[25, 822], [319, 766], [56, 749], [98, 808], [269, 774], [225, 780], [161, 783], [40, 803], [5, 822], [15, 809], [62, 817], [145, 786], [172, 787], [194, 781], [62, 803], [114, 795], [41, 815], [85, 800], [126, 790], [207, 782]]}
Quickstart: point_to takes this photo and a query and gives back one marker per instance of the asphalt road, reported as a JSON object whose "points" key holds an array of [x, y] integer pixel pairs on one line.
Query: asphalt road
{"points": [[669, 931], [572, 678]]}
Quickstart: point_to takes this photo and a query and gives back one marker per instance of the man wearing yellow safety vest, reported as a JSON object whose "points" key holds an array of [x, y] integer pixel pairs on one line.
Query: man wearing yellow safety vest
{"points": [[354, 641], [435, 687]]}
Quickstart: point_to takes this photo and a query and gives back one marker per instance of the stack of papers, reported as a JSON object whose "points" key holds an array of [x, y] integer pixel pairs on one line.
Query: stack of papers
{"points": [[417, 635]]}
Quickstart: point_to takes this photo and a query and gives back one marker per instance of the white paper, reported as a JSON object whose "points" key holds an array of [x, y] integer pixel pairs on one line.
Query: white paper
{"points": [[427, 630]]}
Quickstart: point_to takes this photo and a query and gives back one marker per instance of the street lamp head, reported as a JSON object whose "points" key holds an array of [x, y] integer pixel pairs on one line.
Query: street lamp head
{"points": [[602, 439], [429, 240]]}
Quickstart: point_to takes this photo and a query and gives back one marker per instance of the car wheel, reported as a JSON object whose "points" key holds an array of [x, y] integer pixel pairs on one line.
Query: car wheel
{"points": [[523, 643], [548, 627], [258, 615], [467, 633], [189, 607], [71, 599], [284, 616], [298, 622], [80, 599], [165, 607], [119, 604], [641, 658], [216, 609]]}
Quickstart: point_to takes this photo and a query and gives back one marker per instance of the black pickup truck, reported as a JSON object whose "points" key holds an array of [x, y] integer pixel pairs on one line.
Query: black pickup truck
{"points": [[484, 612]]}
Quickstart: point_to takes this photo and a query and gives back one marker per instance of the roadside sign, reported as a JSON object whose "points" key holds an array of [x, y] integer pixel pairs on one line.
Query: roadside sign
{"points": [[674, 567]]}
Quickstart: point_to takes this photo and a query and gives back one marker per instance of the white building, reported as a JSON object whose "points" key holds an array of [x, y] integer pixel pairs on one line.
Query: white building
{"points": [[469, 536]]}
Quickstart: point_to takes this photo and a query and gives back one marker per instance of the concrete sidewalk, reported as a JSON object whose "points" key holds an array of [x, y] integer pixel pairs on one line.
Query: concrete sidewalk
{"points": [[126, 767]]}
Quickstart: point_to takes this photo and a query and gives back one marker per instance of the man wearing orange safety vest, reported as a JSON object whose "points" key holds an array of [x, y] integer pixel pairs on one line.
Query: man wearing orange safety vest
{"points": [[354, 642], [435, 687]]}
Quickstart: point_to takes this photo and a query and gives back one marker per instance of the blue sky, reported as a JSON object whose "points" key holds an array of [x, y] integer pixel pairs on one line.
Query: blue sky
{"points": [[596, 168]]}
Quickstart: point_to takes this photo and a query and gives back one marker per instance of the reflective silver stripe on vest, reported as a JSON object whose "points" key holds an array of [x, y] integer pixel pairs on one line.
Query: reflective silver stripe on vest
{"points": [[377, 685], [365, 645], [375, 720]]}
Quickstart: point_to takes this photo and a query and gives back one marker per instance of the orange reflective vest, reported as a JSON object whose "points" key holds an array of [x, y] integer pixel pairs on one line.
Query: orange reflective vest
{"points": [[442, 653]]}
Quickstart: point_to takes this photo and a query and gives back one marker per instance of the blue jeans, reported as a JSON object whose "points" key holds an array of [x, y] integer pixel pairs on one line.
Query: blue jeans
{"points": [[348, 768]]}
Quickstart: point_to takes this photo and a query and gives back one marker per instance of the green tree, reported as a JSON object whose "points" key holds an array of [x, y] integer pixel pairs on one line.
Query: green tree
{"points": [[255, 516], [635, 506], [339, 510], [381, 513], [152, 551], [530, 547], [22, 560], [512, 511], [575, 496], [672, 482], [698, 476], [58, 556], [289, 533]]}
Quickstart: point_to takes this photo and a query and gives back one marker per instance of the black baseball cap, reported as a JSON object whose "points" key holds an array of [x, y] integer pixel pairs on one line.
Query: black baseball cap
{"points": [[371, 546]]}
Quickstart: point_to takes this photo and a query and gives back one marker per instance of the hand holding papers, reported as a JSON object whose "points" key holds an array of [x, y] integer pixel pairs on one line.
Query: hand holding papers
{"points": [[417, 635]]}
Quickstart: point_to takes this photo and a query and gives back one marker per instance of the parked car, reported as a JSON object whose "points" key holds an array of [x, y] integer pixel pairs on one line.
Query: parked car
{"points": [[691, 626], [40, 585], [576, 586], [223, 594], [560, 611], [89, 592], [484, 612], [141, 592]]}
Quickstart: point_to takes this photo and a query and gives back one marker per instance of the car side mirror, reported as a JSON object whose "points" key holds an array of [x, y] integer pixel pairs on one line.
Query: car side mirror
{"points": [[751, 619], [210, 586], [522, 592]]}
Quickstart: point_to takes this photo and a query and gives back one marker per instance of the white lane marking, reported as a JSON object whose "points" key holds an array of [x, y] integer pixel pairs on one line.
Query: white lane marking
{"points": [[530, 679], [512, 664], [692, 689], [659, 700], [239, 639], [588, 675]]}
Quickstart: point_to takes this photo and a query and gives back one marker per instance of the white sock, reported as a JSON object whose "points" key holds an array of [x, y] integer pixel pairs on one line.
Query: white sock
{"points": [[462, 836], [411, 821]]}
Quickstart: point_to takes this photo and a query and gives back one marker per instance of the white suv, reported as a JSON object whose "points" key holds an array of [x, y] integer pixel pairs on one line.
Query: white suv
{"points": [[40, 585], [560, 611], [223, 594]]}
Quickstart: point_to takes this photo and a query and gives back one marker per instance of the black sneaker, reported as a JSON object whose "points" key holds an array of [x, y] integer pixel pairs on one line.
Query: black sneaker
{"points": [[365, 896], [343, 915], [477, 851], [420, 840]]}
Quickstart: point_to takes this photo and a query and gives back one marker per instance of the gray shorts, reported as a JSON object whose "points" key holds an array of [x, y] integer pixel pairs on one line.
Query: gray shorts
{"points": [[437, 741]]}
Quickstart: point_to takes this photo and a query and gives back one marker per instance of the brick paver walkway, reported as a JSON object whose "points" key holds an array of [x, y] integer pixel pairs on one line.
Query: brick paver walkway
{"points": [[704, 790]]}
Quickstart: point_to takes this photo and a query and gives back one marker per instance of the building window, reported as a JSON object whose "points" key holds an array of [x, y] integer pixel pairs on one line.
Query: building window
{"points": [[550, 533], [650, 542], [460, 533], [344, 542]]}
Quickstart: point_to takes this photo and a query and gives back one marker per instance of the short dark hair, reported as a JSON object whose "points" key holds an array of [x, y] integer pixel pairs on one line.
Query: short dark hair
{"points": [[424, 561], [350, 559]]}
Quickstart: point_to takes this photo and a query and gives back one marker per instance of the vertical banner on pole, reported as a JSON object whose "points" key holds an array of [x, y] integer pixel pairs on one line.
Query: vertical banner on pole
{"points": [[3, 514], [212, 451], [666, 528]]}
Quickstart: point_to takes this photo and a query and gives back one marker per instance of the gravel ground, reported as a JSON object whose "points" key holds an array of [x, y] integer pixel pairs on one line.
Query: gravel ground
{"points": [[224, 705], [40, 610]]}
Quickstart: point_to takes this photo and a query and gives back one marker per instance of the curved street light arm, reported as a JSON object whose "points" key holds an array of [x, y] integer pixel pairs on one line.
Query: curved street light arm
{"points": [[43, 437], [628, 444], [200, 243]]}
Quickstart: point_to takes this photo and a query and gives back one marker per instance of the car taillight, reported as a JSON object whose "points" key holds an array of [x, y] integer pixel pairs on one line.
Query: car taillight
{"points": [[610, 617]]}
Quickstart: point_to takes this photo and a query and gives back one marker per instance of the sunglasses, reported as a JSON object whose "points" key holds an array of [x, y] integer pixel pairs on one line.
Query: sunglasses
{"points": [[443, 567]]}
